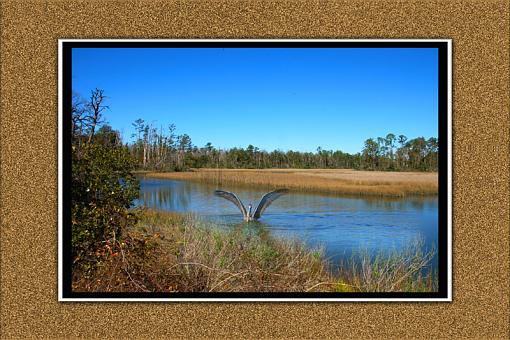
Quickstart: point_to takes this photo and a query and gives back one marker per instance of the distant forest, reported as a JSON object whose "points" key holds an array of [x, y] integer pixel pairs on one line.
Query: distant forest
{"points": [[161, 148]]}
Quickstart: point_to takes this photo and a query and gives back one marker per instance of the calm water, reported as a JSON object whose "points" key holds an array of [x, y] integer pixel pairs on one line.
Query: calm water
{"points": [[339, 224]]}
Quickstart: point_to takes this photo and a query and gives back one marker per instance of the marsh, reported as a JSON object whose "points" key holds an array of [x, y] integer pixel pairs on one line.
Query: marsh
{"points": [[340, 224]]}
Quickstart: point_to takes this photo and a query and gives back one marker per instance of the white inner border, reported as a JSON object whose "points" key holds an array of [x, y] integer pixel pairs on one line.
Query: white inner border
{"points": [[60, 168]]}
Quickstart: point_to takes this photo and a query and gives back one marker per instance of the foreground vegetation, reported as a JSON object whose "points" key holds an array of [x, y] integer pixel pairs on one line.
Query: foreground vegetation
{"points": [[330, 181], [167, 252]]}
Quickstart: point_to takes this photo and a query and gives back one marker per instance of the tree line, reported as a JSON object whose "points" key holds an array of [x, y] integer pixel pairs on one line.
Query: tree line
{"points": [[161, 148], [383, 153]]}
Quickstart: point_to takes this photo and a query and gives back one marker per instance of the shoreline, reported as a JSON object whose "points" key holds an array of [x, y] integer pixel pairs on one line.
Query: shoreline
{"points": [[328, 181]]}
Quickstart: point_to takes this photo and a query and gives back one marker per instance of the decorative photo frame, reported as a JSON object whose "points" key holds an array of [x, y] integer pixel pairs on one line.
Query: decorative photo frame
{"points": [[29, 168]]}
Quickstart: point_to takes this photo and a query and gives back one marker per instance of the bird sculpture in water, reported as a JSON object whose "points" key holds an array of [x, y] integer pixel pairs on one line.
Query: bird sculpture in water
{"points": [[266, 200]]}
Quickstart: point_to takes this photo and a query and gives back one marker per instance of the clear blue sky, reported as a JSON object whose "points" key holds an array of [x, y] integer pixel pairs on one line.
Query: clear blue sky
{"points": [[287, 99]]}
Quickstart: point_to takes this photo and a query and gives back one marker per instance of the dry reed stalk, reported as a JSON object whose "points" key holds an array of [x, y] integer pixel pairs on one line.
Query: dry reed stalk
{"points": [[329, 181]]}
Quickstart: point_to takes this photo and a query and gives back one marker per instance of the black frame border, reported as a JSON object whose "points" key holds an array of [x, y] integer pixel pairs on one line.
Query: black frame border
{"points": [[443, 204]]}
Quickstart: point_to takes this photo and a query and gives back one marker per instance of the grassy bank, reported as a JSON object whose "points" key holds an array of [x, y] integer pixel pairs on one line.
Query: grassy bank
{"points": [[168, 252], [336, 181]]}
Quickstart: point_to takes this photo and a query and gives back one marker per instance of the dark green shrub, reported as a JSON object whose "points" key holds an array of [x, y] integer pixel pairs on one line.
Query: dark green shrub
{"points": [[103, 190]]}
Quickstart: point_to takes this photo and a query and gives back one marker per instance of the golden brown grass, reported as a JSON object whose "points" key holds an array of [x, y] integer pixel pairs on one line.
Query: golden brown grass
{"points": [[404, 270], [336, 181], [168, 252]]}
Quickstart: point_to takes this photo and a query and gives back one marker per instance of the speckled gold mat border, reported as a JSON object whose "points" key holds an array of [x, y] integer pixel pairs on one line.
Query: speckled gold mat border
{"points": [[28, 201]]}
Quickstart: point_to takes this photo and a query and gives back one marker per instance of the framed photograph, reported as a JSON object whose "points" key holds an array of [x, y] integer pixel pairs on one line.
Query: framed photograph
{"points": [[255, 170]]}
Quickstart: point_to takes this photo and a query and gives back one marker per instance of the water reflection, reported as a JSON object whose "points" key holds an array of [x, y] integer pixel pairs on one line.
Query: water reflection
{"points": [[340, 224], [166, 197]]}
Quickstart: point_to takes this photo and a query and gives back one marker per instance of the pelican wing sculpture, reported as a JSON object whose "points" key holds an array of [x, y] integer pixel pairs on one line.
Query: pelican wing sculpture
{"points": [[234, 199], [266, 200]]}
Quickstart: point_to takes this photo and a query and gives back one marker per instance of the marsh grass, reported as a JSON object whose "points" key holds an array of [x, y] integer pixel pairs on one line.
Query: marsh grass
{"points": [[378, 183], [168, 252], [408, 270]]}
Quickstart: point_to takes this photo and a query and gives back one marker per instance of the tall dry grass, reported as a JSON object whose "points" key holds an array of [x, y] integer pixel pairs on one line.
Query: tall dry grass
{"points": [[408, 270], [181, 253], [168, 252], [330, 181]]}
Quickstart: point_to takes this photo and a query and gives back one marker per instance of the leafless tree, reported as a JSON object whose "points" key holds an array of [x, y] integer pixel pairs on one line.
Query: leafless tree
{"points": [[95, 107], [78, 110]]}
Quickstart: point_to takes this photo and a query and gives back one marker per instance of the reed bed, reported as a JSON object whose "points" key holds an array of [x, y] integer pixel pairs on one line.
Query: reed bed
{"points": [[405, 270], [169, 252], [351, 182]]}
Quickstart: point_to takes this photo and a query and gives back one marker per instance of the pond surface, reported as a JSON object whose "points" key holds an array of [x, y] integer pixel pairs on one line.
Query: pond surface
{"points": [[339, 224]]}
